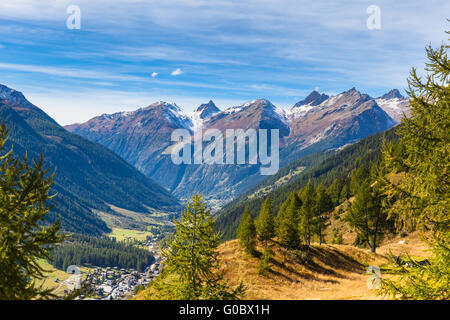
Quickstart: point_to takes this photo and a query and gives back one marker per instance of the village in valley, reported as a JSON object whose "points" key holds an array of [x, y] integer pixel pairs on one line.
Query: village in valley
{"points": [[113, 283]]}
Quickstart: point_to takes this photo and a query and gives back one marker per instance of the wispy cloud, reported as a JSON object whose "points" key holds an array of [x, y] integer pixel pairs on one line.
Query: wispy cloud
{"points": [[177, 72], [92, 74], [68, 72], [232, 50]]}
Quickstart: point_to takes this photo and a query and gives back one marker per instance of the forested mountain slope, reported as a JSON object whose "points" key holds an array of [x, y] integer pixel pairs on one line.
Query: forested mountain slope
{"points": [[88, 175], [323, 167]]}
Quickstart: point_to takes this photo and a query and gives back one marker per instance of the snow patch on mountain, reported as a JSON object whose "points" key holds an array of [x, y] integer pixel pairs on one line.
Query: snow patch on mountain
{"points": [[297, 112], [396, 108], [203, 113], [174, 113]]}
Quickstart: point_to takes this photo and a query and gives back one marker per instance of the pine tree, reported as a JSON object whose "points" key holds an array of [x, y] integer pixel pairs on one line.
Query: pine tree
{"points": [[323, 205], [422, 193], [356, 178], [345, 194], [191, 267], [247, 231], [307, 213], [367, 217], [287, 221], [335, 191], [25, 236], [265, 225], [418, 179]]}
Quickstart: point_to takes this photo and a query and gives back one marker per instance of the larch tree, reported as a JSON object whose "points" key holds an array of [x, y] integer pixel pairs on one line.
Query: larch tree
{"points": [[357, 176], [265, 225], [306, 219], [345, 193], [25, 236], [323, 205], [418, 179], [335, 191], [287, 221], [191, 267], [367, 216], [246, 231]]}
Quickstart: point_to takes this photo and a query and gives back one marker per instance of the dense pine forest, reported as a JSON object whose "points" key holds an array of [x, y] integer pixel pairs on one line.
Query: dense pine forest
{"points": [[332, 169], [103, 252], [82, 169]]}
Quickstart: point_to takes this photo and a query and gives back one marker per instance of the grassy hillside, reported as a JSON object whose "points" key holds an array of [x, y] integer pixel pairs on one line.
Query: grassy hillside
{"points": [[333, 271], [55, 279], [322, 167]]}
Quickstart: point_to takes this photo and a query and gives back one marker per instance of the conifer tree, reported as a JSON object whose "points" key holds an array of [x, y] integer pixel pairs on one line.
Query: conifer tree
{"points": [[25, 236], [345, 193], [418, 179], [247, 231], [323, 205], [192, 270], [357, 176], [422, 193], [265, 225], [335, 192], [283, 211], [367, 217], [307, 213], [287, 221]]}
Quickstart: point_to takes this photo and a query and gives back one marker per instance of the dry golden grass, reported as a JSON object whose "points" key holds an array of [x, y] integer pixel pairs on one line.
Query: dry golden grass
{"points": [[412, 245], [335, 272]]}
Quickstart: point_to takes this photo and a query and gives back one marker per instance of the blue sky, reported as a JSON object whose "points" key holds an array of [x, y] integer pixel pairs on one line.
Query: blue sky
{"points": [[226, 50]]}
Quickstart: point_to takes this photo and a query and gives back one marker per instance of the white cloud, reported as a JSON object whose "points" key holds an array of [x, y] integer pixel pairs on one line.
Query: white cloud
{"points": [[177, 72], [154, 74], [68, 72], [286, 44], [104, 77]]}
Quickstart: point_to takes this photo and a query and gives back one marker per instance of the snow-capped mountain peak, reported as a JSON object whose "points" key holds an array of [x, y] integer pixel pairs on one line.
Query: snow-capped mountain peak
{"points": [[393, 94], [203, 113], [313, 99], [302, 107], [207, 110], [394, 104]]}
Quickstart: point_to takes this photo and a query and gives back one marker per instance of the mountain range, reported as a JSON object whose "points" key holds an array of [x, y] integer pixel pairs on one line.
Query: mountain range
{"points": [[88, 177], [317, 123]]}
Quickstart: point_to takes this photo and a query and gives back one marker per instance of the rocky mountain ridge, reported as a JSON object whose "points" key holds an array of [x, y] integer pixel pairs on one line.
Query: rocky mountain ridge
{"points": [[314, 124]]}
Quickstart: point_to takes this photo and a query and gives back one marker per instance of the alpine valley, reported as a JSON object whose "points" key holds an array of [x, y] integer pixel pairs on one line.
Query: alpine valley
{"points": [[122, 160], [89, 178], [319, 122]]}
